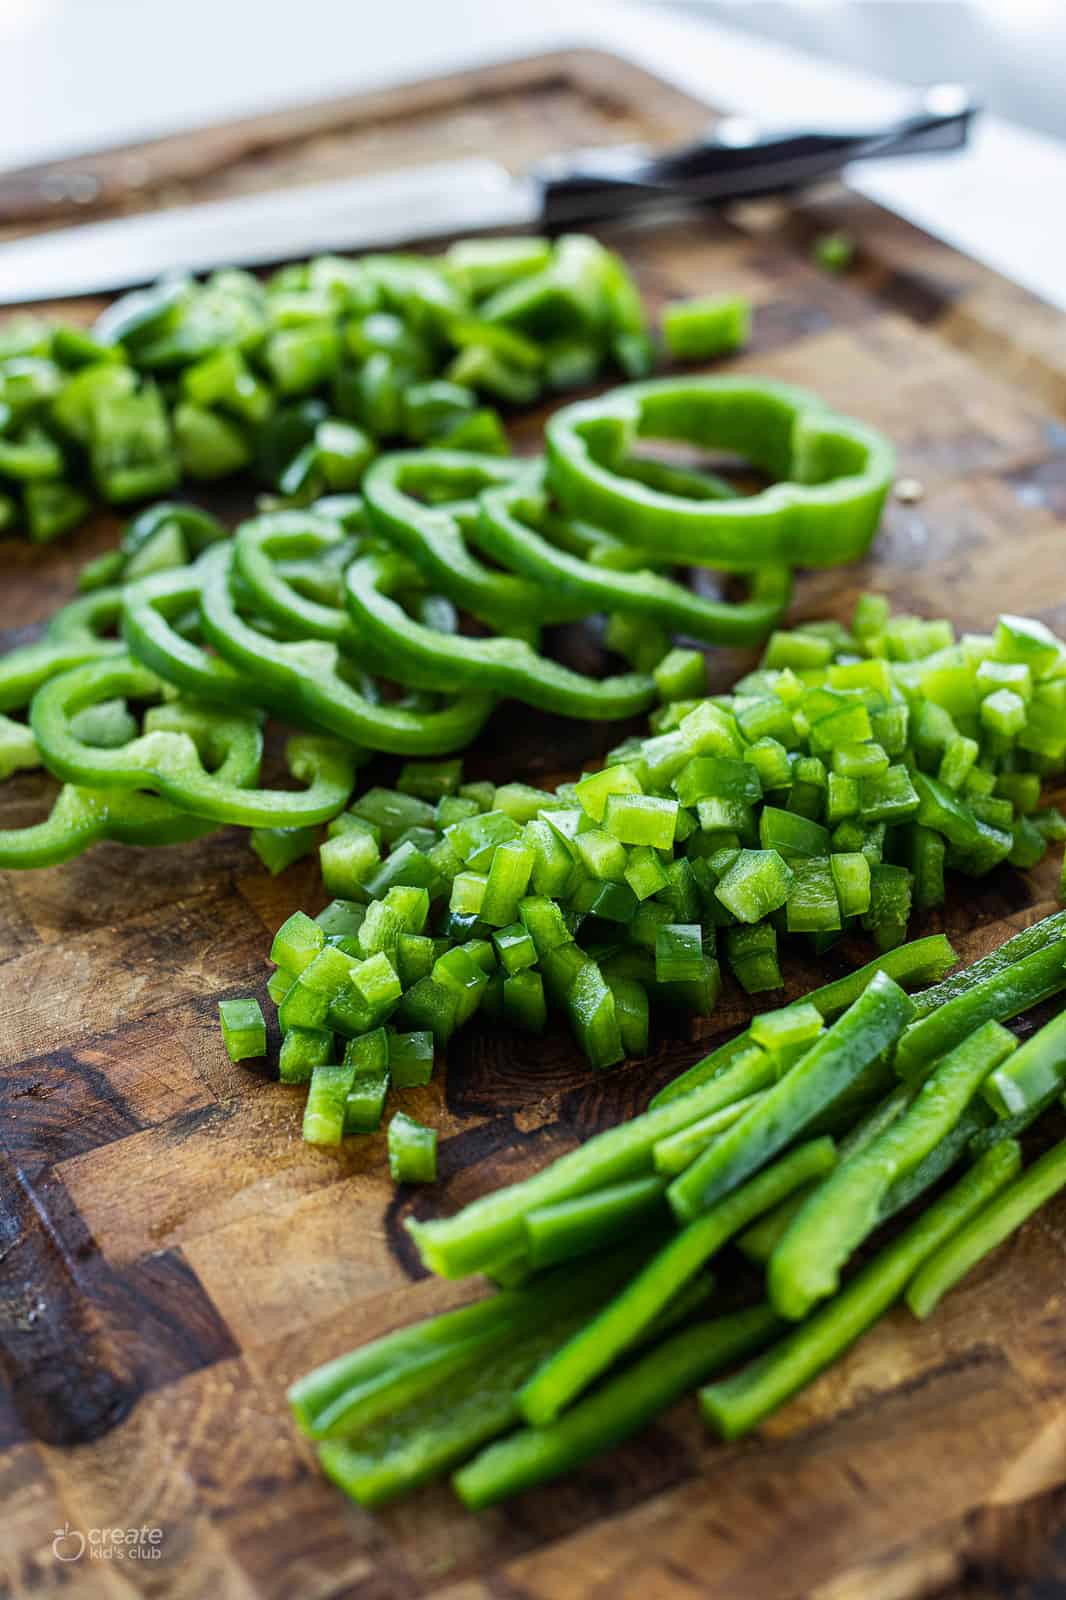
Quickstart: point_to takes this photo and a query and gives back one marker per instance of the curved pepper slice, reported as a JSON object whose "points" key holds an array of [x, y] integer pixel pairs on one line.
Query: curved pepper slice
{"points": [[202, 760], [832, 473], [74, 635], [150, 610], [154, 612], [82, 817], [423, 501], [87, 620], [504, 665], [308, 677], [508, 531], [261, 549]]}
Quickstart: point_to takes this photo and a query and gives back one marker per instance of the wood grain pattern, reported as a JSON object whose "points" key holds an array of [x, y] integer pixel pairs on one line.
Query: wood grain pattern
{"points": [[173, 1255]]}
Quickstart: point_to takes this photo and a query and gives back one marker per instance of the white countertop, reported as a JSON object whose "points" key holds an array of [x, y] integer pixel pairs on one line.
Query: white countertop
{"points": [[84, 73]]}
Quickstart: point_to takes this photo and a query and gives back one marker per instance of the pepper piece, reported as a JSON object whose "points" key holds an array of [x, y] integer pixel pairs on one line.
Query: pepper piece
{"points": [[833, 473], [166, 757], [502, 665]]}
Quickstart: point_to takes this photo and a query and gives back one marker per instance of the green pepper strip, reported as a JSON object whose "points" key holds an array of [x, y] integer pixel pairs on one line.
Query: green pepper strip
{"points": [[989, 1228], [586, 1356], [833, 473], [909, 964], [505, 532], [842, 1211], [74, 635], [617, 1409], [504, 665], [168, 758], [832, 1064], [739, 1403], [306, 677], [397, 488]]}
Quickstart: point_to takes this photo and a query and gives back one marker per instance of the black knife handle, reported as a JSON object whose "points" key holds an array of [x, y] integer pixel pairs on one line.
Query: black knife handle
{"points": [[738, 162]]}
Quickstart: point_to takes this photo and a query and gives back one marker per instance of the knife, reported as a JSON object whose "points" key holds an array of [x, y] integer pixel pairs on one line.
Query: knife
{"points": [[736, 160]]}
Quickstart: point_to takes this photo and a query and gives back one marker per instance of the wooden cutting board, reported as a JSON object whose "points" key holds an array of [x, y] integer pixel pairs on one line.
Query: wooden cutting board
{"points": [[173, 1254]]}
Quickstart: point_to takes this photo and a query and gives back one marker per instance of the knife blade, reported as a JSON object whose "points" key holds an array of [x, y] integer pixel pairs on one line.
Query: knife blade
{"points": [[736, 160]]}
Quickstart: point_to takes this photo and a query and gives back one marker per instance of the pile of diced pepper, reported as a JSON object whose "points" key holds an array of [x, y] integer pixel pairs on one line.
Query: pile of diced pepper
{"points": [[297, 378], [828, 792]]}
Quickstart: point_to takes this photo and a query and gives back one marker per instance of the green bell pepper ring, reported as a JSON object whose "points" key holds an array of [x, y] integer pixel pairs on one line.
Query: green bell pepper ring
{"points": [[832, 473], [82, 817], [261, 548], [150, 609], [88, 620], [504, 665], [74, 635], [308, 676], [203, 761], [152, 615], [404, 494], [508, 531]]}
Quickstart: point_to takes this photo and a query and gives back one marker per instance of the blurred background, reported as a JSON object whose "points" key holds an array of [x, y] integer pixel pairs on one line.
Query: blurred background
{"points": [[81, 73], [1013, 52]]}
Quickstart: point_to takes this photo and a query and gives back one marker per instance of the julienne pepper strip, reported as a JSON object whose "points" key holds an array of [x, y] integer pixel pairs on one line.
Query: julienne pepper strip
{"points": [[508, 530], [1026, 943], [492, 1227], [738, 1404], [617, 1409], [557, 1383], [499, 666], [909, 965], [1003, 995], [166, 758], [863, 1033], [999, 1219], [1034, 1076], [420, 1441], [805, 1266], [832, 474], [403, 1423]]}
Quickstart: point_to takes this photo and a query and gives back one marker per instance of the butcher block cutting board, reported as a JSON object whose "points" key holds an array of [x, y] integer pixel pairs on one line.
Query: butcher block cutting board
{"points": [[172, 1254]]}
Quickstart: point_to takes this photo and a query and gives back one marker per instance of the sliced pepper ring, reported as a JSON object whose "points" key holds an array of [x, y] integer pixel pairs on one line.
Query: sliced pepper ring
{"points": [[260, 549], [508, 531], [169, 757], [832, 472], [74, 635], [307, 677], [504, 665], [86, 620], [82, 817], [150, 609], [421, 500]]}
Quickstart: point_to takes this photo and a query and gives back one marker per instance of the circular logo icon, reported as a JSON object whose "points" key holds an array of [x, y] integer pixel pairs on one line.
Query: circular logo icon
{"points": [[68, 1544]]}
